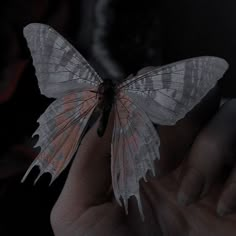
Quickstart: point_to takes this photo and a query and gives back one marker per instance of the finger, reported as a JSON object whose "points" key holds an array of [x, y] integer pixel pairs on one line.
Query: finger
{"points": [[176, 140], [211, 150], [227, 203], [145, 69], [89, 177]]}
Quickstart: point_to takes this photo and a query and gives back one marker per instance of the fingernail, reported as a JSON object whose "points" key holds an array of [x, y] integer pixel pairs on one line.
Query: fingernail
{"points": [[183, 199], [223, 210]]}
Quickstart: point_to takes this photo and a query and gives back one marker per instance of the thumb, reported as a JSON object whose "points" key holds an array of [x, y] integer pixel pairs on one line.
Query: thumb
{"points": [[89, 178]]}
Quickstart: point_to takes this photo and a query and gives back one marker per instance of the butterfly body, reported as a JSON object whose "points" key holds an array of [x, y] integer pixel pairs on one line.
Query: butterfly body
{"points": [[106, 96], [162, 95]]}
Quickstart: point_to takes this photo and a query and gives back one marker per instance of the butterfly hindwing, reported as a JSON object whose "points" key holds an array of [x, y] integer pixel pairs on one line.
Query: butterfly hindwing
{"points": [[135, 146], [59, 66], [64, 74], [167, 93], [60, 129]]}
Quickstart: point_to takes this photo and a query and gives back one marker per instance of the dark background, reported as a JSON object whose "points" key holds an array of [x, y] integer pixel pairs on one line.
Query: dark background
{"points": [[136, 34]]}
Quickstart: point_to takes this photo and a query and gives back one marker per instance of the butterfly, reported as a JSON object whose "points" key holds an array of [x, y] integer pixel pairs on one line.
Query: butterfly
{"points": [[162, 95]]}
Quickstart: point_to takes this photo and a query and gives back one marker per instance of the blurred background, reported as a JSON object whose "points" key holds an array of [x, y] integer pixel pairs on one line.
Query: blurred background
{"points": [[117, 38]]}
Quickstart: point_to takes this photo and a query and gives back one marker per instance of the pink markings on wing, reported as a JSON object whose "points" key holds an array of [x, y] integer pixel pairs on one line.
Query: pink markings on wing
{"points": [[125, 108], [70, 101], [69, 104], [62, 148], [68, 147], [132, 141]]}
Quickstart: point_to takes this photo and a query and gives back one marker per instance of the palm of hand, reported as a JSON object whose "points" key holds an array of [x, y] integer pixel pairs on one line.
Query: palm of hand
{"points": [[163, 215]]}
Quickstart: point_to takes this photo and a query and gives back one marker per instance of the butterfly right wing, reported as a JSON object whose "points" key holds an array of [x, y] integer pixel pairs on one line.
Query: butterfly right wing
{"points": [[169, 92], [60, 68], [60, 129], [162, 95]]}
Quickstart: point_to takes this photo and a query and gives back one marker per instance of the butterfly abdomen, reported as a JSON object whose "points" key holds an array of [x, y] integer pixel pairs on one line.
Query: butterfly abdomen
{"points": [[106, 93]]}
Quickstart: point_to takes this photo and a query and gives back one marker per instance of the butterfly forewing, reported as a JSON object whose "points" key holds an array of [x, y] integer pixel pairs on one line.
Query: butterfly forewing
{"points": [[59, 66], [167, 93]]}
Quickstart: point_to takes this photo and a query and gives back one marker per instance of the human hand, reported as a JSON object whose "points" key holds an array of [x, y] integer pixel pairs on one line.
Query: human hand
{"points": [[211, 158], [86, 207]]}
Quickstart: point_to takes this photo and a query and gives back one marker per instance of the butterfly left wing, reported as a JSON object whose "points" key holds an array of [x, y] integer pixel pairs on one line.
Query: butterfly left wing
{"points": [[59, 67], [135, 146], [60, 130], [64, 74], [168, 92]]}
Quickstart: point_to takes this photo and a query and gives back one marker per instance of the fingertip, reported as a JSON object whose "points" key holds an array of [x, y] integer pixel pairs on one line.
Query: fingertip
{"points": [[145, 69], [97, 139], [227, 203], [191, 187], [222, 210]]}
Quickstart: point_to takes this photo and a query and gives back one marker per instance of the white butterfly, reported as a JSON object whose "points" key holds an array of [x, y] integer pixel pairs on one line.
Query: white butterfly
{"points": [[163, 96]]}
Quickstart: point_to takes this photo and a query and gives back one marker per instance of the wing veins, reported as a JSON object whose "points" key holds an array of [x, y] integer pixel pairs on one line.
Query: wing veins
{"points": [[162, 106], [138, 114], [57, 105], [137, 78], [67, 125]]}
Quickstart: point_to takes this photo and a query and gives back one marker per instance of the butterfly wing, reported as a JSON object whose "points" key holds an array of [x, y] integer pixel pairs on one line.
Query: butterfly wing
{"points": [[64, 74], [60, 129], [163, 95], [59, 66], [135, 146], [167, 93]]}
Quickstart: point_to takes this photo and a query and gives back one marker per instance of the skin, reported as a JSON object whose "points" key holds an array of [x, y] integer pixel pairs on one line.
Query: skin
{"points": [[193, 193]]}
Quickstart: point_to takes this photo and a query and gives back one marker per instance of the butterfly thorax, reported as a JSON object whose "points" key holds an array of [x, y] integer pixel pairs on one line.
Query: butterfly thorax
{"points": [[106, 96], [106, 92]]}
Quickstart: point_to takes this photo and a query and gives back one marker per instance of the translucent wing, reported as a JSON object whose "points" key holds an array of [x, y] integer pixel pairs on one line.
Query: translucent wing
{"points": [[167, 93], [59, 66], [163, 95], [60, 129], [135, 146]]}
